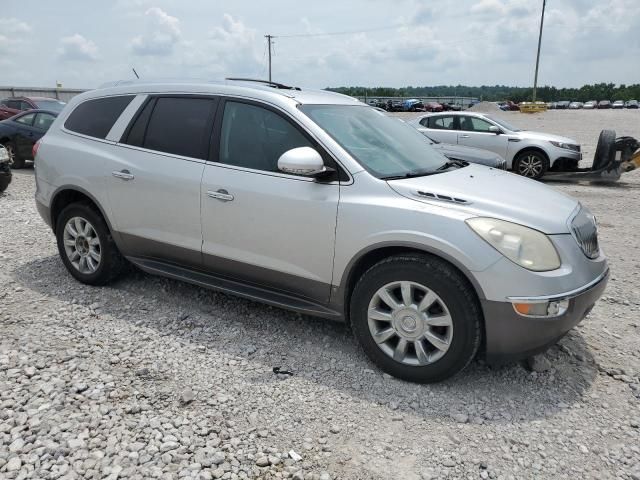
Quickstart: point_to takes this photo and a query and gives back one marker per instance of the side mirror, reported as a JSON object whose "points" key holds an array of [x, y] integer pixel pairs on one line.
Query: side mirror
{"points": [[302, 161], [494, 129]]}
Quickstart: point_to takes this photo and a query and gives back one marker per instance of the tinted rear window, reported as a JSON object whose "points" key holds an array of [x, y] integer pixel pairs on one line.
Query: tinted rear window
{"points": [[96, 117], [177, 125]]}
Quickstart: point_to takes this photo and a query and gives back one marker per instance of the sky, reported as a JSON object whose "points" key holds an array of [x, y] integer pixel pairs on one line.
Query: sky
{"points": [[84, 43]]}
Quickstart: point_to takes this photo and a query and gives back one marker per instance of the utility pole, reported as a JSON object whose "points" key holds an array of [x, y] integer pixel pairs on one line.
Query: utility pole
{"points": [[269, 43], [535, 79]]}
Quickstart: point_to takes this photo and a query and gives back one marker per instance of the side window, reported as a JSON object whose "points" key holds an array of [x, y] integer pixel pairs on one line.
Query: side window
{"points": [[178, 125], [474, 124], [43, 121], [96, 117], [25, 106], [26, 119], [441, 123], [254, 137], [15, 104]]}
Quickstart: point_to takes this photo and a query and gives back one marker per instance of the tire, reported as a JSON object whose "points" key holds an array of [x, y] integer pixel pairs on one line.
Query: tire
{"points": [[15, 162], [109, 263], [455, 309], [531, 164], [605, 150]]}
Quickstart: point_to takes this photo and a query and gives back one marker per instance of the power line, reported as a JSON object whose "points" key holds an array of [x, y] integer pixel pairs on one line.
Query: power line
{"points": [[345, 32]]}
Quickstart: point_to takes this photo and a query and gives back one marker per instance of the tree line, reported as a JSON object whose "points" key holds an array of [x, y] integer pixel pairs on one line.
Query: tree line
{"points": [[598, 91]]}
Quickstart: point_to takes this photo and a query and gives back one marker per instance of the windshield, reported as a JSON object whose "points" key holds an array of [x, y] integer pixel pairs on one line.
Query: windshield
{"points": [[51, 105], [503, 124], [382, 145]]}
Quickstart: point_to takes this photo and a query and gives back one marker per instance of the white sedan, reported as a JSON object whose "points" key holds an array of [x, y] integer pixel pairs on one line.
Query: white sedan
{"points": [[530, 154]]}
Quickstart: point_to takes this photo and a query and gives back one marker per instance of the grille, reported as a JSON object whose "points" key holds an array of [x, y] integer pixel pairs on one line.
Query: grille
{"points": [[585, 231]]}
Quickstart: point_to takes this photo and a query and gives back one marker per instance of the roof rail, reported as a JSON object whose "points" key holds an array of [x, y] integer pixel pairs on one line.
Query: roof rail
{"points": [[266, 82]]}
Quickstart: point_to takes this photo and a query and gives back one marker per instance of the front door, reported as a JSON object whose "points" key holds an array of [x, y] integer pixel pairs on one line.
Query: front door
{"points": [[474, 132], [25, 136], [260, 225]]}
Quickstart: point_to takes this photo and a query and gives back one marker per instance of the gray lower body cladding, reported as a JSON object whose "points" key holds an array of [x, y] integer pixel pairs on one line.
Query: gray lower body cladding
{"points": [[511, 336]]}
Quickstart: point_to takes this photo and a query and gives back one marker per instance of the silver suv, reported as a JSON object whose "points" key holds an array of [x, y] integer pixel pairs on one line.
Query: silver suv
{"points": [[530, 154], [312, 201]]}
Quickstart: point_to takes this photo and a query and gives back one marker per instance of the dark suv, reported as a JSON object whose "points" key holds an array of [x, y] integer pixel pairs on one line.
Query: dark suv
{"points": [[14, 105]]}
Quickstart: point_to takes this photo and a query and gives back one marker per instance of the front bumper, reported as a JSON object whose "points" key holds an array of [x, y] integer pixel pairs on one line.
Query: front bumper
{"points": [[511, 336]]}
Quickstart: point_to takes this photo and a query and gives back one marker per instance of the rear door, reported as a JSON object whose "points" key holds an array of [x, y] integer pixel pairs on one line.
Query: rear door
{"points": [[474, 132], [261, 225], [440, 128], [153, 179]]}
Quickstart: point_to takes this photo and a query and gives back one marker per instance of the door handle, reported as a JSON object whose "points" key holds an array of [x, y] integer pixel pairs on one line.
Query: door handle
{"points": [[123, 174], [464, 136], [221, 195]]}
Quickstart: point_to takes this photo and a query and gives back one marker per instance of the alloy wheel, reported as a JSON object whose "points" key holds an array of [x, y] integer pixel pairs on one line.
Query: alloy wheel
{"points": [[410, 323], [530, 166], [82, 245]]}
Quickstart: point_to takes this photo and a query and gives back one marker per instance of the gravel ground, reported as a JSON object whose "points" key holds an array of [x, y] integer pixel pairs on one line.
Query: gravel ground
{"points": [[153, 378]]}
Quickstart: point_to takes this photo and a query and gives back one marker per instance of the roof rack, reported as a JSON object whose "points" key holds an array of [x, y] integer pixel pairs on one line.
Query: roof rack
{"points": [[266, 82]]}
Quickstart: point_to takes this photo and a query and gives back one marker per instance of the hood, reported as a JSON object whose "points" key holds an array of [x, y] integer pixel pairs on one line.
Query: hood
{"points": [[488, 192], [545, 136], [470, 154]]}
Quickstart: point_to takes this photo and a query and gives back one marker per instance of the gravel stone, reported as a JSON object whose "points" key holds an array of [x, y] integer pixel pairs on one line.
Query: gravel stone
{"points": [[151, 378]]}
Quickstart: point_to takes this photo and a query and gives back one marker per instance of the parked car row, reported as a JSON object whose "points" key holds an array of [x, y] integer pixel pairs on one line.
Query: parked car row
{"points": [[592, 105], [413, 105]]}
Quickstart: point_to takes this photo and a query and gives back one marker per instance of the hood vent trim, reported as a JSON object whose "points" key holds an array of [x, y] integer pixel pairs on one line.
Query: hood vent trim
{"points": [[443, 198]]}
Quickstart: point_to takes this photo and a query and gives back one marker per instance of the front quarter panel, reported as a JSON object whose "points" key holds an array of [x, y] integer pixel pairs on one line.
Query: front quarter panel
{"points": [[371, 215]]}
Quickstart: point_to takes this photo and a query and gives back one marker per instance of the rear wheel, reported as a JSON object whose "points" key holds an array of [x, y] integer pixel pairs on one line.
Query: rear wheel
{"points": [[86, 246], [531, 164], [14, 161], [416, 317]]}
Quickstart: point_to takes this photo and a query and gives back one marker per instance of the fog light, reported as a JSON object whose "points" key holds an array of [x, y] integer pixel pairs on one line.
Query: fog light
{"points": [[542, 309]]}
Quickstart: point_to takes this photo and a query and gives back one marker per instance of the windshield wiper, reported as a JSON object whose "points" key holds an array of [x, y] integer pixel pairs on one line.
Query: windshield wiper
{"points": [[452, 163], [411, 174]]}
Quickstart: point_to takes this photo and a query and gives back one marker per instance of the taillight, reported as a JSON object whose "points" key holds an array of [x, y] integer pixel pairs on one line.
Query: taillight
{"points": [[34, 150]]}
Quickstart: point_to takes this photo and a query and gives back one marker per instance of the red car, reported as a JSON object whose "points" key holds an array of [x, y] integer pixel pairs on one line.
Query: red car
{"points": [[14, 105], [433, 107]]}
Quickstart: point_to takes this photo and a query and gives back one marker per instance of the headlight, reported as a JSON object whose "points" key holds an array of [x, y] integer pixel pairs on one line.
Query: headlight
{"points": [[525, 246], [4, 155], [566, 146]]}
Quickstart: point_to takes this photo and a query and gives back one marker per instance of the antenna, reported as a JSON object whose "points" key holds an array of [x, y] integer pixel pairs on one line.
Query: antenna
{"points": [[135, 73]]}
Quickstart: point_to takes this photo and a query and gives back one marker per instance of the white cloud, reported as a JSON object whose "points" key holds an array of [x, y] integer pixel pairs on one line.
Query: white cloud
{"points": [[163, 33], [77, 48], [12, 26], [231, 49]]}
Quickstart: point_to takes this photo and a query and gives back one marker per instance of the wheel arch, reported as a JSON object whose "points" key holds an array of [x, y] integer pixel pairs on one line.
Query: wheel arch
{"points": [[532, 148], [68, 194], [368, 257]]}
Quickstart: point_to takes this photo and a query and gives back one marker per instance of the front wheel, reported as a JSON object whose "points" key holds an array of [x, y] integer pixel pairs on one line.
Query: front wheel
{"points": [[531, 164], [416, 317]]}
